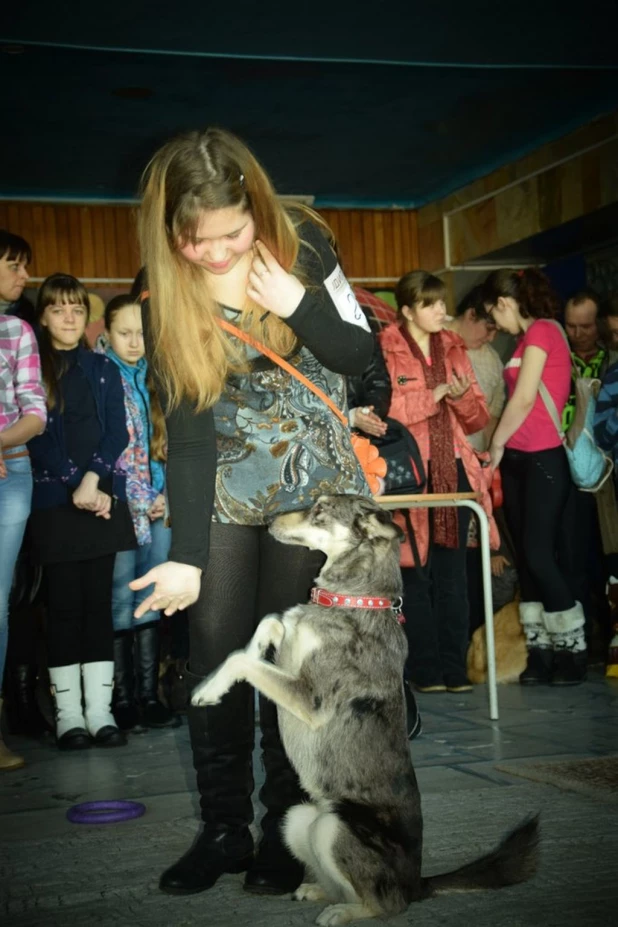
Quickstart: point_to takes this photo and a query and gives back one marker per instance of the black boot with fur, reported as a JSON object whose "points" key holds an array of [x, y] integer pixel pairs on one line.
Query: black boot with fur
{"points": [[538, 670]]}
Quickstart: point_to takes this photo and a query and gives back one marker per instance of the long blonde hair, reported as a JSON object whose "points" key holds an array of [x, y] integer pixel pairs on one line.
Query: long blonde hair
{"points": [[191, 173]]}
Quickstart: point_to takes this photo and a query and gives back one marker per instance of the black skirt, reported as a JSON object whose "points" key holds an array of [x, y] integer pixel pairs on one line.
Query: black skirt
{"points": [[64, 533]]}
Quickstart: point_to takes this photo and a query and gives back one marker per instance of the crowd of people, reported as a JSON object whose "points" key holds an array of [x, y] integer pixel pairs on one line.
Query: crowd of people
{"points": [[140, 474]]}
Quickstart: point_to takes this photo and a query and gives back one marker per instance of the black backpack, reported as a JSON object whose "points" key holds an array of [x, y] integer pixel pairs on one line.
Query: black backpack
{"points": [[405, 474]]}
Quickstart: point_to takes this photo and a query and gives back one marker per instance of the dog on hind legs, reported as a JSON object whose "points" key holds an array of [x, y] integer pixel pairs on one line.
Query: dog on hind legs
{"points": [[336, 677]]}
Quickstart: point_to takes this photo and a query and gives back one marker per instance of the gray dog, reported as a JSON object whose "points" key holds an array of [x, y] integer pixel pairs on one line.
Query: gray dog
{"points": [[337, 682]]}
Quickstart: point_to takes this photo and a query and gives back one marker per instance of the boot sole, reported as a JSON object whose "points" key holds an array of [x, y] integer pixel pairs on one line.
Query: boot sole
{"points": [[232, 869]]}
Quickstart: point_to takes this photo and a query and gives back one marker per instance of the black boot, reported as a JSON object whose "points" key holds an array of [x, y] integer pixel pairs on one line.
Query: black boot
{"points": [[275, 871], [222, 744], [124, 708], [569, 668], [22, 709], [154, 713], [538, 668]]}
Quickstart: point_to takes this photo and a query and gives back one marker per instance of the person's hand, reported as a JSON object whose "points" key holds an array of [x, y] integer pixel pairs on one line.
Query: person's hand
{"points": [[366, 420], [441, 391], [3, 470], [86, 494], [272, 287], [498, 563], [458, 386], [496, 453], [103, 506], [157, 509], [176, 585]]}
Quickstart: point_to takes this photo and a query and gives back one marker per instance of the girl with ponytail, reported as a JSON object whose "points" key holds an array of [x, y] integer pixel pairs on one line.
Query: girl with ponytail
{"points": [[535, 473]]}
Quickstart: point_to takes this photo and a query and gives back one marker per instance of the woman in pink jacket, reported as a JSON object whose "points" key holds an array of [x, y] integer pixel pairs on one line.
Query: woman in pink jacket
{"points": [[435, 394]]}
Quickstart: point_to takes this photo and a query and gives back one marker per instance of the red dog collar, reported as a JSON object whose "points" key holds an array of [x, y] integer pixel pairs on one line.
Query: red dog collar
{"points": [[342, 600]]}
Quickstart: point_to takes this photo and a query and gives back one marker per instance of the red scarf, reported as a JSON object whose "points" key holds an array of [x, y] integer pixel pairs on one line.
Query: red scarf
{"points": [[441, 443]]}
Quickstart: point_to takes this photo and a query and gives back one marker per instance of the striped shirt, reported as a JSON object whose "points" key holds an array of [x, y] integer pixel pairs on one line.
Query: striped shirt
{"points": [[21, 388]]}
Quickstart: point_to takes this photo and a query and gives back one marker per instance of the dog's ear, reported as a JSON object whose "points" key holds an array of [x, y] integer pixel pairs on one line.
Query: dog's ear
{"points": [[378, 524]]}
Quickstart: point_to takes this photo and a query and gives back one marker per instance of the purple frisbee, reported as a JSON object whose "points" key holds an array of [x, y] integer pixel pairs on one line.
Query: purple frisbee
{"points": [[105, 812]]}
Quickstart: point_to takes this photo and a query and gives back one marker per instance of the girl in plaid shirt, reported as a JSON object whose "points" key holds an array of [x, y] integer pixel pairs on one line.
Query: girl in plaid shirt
{"points": [[22, 415]]}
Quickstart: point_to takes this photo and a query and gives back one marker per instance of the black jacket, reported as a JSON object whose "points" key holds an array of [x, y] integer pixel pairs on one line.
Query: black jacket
{"points": [[373, 386]]}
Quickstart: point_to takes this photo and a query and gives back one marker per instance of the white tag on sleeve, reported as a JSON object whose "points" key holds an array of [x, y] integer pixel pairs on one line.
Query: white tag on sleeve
{"points": [[344, 299]]}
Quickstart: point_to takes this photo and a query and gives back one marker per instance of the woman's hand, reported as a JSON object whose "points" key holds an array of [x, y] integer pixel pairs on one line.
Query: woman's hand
{"points": [[366, 420], [3, 470], [103, 507], [272, 287], [496, 453], [498, 563], [441, 391], [157, 509], [458, 386], [86, 494], [176, 585]]}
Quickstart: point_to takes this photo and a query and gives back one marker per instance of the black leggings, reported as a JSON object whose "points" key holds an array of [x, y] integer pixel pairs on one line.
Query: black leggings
{"points": [[249, 575], [536, 487], [79, 611]]}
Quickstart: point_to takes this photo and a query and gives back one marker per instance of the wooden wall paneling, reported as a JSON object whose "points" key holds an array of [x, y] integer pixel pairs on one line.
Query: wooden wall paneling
{"points": [[98, 242], [370, 264], [398, 257], [379, 244], [51, 244], [87, 233], [111, 242], [63, 239], [76, 241], [39, 241], [357, 244]]}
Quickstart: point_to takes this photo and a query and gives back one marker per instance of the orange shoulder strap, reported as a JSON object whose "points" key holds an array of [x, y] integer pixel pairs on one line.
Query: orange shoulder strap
{"points": [[249, 339]]}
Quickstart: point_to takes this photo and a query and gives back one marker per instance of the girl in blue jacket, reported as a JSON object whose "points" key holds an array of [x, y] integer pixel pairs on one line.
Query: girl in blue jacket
{"points": [[80, 517], [136, 683]]}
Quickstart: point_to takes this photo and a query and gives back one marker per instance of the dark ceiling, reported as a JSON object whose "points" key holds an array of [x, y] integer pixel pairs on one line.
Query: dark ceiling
{"points": [[355, 103]]}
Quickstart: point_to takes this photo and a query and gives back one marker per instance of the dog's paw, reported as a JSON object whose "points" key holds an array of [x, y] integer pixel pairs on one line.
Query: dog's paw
{"points": [[309, 891], [336, 914], [209, 692]]}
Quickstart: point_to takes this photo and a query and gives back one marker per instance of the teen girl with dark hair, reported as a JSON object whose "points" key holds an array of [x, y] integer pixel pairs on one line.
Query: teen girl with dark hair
{"points": [[136, 643], [535, 472], [436, 396], [80, 517], [246, 442]]}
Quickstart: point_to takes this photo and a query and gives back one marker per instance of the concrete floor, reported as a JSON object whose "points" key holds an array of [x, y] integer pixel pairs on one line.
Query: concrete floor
{"points": [[56, 873]]}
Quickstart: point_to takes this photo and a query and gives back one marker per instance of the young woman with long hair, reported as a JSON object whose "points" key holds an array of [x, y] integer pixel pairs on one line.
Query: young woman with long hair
{"points": [[79, 516], [246, 441], [535, 472], [136, 643], [436, 396]]}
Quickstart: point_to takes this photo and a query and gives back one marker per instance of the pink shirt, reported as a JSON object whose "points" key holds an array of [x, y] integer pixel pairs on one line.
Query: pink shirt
{"points": [[538, 432], [21, 389]]}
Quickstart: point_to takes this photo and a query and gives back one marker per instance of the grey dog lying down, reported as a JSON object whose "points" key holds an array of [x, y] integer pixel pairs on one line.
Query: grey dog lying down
{"points": [[337, 682]]}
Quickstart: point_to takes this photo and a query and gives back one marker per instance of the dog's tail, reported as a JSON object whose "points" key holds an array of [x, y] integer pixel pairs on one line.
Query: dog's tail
{"points": [[514, 861]]}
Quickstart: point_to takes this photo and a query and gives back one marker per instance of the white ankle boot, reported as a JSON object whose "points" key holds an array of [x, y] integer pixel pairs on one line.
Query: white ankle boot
{"points": [[66, 689], [98, 686]]}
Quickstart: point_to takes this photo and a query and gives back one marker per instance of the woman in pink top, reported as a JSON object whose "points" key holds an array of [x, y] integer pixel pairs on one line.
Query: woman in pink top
{"points": [[535, 472]]}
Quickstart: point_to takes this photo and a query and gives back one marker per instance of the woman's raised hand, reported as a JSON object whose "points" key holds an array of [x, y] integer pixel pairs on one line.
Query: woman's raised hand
{"points": [[272, 287], [366, 420], [176, 585], [441, 391], [459, 385]]}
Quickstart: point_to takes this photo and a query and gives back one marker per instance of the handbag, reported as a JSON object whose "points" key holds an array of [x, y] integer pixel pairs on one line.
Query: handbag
{"points": [[590, 467], [405, 472], [368, 456]]}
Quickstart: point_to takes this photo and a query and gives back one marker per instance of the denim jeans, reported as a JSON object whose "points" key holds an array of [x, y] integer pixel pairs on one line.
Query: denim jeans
{"points": [[15, 501], [131, 564]]}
